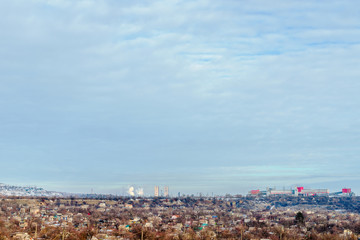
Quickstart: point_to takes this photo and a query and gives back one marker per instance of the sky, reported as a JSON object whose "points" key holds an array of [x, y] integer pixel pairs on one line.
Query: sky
{"points": [[203, 96]]}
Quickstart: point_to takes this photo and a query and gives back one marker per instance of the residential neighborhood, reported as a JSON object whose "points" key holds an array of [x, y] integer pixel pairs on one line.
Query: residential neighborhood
{"points": [[230, 217]]}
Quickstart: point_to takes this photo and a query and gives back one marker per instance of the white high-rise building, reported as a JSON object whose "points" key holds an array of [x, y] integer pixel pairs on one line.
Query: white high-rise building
{"points": [[166, 191], [156, 191]]}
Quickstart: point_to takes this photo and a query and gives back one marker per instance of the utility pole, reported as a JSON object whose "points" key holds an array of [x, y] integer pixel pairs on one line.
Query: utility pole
{"points": [[35, 231]]}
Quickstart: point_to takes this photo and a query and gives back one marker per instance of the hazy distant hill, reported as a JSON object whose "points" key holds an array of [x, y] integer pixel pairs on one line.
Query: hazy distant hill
{"points": [[31, 191]]}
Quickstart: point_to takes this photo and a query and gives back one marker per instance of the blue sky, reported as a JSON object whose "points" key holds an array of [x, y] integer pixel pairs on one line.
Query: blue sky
{"points": [[202, 96]]}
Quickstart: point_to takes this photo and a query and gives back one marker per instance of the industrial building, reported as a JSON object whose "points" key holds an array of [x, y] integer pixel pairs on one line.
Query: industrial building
{"points": [[300, 191], [311, 192], [344, 192]]}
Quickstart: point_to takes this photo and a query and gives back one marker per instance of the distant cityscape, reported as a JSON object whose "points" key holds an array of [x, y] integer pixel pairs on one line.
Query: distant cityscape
{"points": [[33, 191], [29, 213]]}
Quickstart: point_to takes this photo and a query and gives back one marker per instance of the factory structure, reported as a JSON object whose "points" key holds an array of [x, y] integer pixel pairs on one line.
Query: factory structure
{"points": [[300, 191]]}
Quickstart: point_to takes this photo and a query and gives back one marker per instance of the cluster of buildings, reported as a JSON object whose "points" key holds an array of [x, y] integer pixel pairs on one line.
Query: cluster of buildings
{"points": [[158, 194], [179, 218], [301, 191]]}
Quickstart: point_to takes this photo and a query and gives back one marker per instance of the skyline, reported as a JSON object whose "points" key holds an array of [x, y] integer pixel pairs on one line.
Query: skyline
{"points": [[201, 96], [164, 191]]}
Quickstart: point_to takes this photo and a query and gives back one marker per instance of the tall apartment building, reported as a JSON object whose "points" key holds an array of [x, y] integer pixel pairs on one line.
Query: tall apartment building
{"points": [[166, 191], [156, 191]]}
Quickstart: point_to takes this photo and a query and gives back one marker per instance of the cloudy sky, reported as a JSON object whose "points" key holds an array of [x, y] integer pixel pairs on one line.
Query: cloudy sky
{"points": [[203, 96]]}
